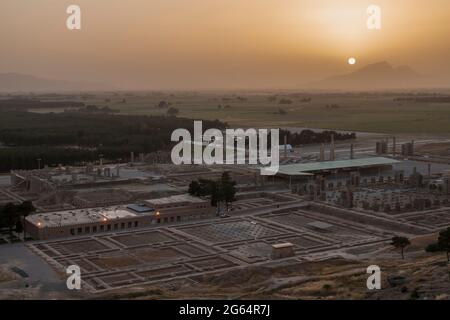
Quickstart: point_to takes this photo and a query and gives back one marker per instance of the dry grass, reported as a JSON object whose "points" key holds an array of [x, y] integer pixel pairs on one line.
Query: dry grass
{"points": [[5, 275], [427, 277], [435, 149]]}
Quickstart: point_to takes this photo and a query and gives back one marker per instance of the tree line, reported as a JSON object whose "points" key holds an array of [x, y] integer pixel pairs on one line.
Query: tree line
{"points": [[12, 216], [23, 104], [70, 138], [310, 137]]}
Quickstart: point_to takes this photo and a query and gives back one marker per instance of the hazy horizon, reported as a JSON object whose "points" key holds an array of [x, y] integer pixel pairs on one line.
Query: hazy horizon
{"points": [[220, 44]]}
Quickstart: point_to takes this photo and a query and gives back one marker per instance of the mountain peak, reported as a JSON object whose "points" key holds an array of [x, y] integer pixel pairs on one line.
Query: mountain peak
{"points": [[382, 65], [374, 76]]}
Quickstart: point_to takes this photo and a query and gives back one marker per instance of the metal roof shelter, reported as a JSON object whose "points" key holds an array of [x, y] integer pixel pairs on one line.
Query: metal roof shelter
{"points": [[305, 169], [140, 208]]}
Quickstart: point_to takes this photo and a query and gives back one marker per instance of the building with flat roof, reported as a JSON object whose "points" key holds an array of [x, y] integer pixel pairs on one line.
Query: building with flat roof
{"points": [[315, 177], [182, 207], [61, 224], [312, 168], [50, 179], [282, 250]]}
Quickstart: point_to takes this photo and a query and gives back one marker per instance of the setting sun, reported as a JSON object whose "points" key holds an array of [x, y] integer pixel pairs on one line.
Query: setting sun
{"points": [[220, 44]]}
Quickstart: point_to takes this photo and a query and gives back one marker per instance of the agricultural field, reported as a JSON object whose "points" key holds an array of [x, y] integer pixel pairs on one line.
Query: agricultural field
{"points": [[374, 112]]}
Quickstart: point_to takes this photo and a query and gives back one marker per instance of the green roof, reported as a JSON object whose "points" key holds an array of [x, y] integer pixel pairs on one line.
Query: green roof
{"points": [[306, 168]]}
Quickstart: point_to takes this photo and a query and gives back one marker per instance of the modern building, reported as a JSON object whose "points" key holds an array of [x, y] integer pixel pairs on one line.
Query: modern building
{"points": [[312, 169], [181, 207], [78, 222], [330, 174]]}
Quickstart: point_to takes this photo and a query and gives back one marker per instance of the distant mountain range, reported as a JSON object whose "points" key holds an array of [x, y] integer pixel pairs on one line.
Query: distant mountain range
{"points": [[376, 76], [13, 82]]}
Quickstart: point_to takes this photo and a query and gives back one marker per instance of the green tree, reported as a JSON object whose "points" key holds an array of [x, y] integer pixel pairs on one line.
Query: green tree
{"points": [[12, 216], [217, 194], [24, 209], [194, 188], [400, 243], [228, 187], [207, 187], [444, 241], [172, 111], [282, 111], [19, 226], [222, 190], [9, 216]]}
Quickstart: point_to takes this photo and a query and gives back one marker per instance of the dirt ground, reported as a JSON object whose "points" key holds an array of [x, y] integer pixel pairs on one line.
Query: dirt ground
{"points": [[435, 149], [426, 276], [5, 275]]}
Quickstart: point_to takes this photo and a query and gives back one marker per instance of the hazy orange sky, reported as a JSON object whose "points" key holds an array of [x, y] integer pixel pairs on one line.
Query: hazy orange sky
{"points": [[219, 44]]}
